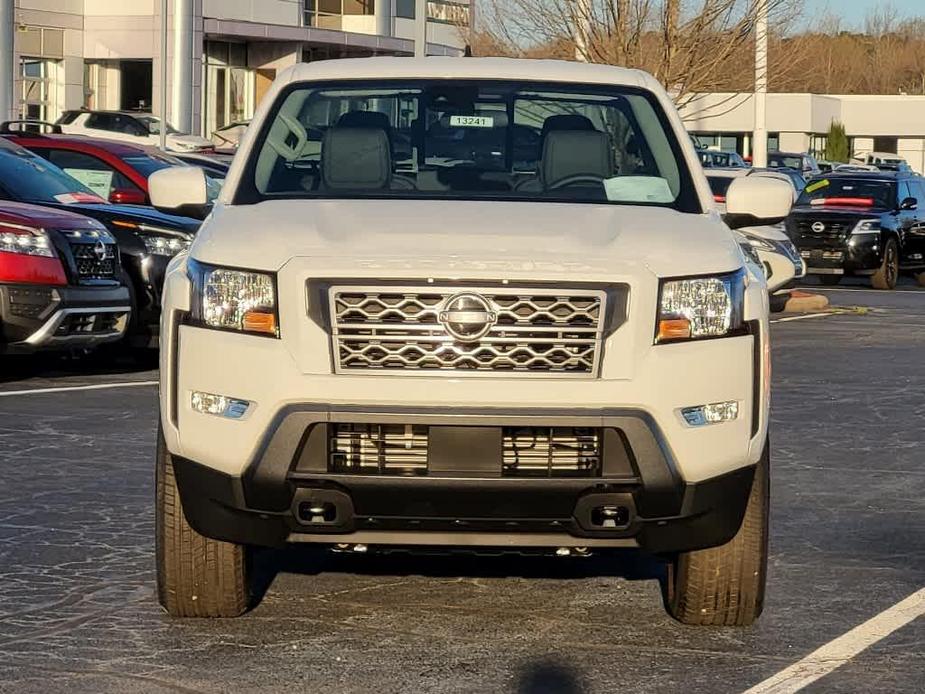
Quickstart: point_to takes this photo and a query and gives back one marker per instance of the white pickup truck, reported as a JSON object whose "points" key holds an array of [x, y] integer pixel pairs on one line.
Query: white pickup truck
{"points": [[476, 303]]}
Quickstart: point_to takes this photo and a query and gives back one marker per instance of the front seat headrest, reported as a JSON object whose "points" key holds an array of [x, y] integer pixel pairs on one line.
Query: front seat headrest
{"points": [[356, 159], [364, 119], [568, 153], [566, 121]]}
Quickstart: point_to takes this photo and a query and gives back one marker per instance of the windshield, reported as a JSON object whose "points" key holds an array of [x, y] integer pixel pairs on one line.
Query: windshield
{"points": [[787, 162], [154, 125], [859, 192], [28, 178], [146, 164], [451, 139]]}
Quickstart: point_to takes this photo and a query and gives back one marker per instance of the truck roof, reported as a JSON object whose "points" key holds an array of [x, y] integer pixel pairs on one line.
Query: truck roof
{"points": [[470, 68]]}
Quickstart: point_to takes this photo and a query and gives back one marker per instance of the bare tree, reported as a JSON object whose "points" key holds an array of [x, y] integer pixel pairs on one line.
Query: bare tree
{"points": [[689, 45]]}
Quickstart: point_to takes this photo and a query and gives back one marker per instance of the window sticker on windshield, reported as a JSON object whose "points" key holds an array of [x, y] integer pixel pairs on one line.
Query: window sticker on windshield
{"points": [[813, 187], [100, 182], [472, 121], [78, 196], [638, 189]]}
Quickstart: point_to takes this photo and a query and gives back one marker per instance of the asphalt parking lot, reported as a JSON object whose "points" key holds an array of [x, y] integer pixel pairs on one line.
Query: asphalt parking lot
{"points": [[77, 609]]}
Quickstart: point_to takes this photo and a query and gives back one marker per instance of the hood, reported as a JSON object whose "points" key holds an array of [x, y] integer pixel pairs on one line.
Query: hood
{"points": [[44, 217], [188, 143], [410, 237], [136, 213]]}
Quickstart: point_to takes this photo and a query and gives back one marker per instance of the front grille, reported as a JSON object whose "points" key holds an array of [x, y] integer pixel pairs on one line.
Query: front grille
{"points": [[835, 230], [95, 261], [553, 452], [526, 331], [404, 449]]}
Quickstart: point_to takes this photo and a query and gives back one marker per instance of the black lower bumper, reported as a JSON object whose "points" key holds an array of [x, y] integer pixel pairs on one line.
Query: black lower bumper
{"points": [[859, 256], [37, 317], [633, 498]]}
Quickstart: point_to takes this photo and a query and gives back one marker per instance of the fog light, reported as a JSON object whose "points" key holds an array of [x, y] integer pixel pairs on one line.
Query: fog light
{"points": [[218, 405], [715, 413]]}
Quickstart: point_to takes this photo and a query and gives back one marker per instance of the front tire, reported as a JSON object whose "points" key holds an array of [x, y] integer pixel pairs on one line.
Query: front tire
{"points": [[920, 278], [196, 575], [885, 277], [725, 585]]}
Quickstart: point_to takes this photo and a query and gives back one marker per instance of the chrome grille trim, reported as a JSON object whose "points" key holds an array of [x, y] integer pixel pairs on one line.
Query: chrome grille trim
{"points": [[545, 332]]}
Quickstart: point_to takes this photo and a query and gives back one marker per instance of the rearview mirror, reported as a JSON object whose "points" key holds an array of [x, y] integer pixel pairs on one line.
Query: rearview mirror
{"points": [[753, 201], [180, 190]]}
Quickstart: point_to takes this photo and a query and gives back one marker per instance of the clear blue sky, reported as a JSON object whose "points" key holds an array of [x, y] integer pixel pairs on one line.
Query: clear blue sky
{"points": [[854, 11]]}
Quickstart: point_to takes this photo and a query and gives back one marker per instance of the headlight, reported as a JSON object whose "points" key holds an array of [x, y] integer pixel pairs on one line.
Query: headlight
{"points": [[701, 307], [24, 240], [759, 243], [227, 299], [164, 245], [867, 226], [157, 240]]}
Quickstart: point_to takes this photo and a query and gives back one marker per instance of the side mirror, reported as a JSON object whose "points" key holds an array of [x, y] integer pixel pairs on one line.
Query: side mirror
{"points": [[753, 201], [128, 196], [180, 190], [909, 204]]}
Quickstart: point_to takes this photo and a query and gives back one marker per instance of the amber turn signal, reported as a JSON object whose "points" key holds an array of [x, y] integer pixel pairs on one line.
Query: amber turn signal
{"points": [[674, 329], [259, 322]]}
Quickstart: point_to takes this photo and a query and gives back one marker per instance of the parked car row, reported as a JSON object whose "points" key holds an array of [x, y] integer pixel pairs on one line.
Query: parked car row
{"points": [[82, 251]]}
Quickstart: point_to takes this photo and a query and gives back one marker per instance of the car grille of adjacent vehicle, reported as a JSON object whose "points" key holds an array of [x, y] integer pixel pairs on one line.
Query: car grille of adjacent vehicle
{"points": [[402, 450], [835, 229], [547, 332], [92, 264]]}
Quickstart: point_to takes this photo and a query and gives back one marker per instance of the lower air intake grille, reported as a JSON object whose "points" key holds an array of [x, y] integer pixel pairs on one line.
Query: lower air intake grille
{"points": [[404, 449], [378, 449], [553, 452]]}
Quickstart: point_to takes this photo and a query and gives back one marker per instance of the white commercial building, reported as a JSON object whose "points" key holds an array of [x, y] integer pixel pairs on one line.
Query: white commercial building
{"points": [[222, 55], [800, 122]]}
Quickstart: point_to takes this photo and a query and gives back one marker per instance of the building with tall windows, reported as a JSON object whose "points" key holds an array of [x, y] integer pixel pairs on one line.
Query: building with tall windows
{"points": [[889, 123], [222, 55]]}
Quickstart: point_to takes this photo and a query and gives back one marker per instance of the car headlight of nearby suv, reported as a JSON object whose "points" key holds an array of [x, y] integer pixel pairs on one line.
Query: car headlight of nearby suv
{"points": [[449, 345]]}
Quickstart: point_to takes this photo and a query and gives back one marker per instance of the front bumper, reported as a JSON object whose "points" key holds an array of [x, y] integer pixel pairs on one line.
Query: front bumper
{"points": [[35, 317], [858, 255], [465, 498]]}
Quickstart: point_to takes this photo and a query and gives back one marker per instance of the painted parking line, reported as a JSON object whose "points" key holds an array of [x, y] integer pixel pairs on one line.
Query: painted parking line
{"points": [[790, 319], [69, 389], [836, 653]]}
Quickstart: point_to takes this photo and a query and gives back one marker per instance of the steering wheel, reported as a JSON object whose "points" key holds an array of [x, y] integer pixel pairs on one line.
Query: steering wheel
{"points": [[576, 179]]}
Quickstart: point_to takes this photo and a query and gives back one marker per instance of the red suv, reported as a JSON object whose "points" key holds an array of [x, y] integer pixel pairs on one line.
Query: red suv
{"points": [[116, 171], [60, 281]]}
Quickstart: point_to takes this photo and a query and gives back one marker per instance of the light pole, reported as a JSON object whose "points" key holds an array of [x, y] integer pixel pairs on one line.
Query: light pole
{"points": [[7, 68], [420, 28], [760, 136], [582, 29], [163, 133]]}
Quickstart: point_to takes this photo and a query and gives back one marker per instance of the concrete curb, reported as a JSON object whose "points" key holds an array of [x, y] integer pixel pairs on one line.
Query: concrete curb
{"points": [[805, 302]]}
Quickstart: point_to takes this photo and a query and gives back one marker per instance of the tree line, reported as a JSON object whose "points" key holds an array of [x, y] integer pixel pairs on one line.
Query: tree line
{"points": [[695, 46]]}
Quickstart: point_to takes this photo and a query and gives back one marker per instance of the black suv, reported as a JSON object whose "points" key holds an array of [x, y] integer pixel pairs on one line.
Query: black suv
{"points": [[856, 223]]}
